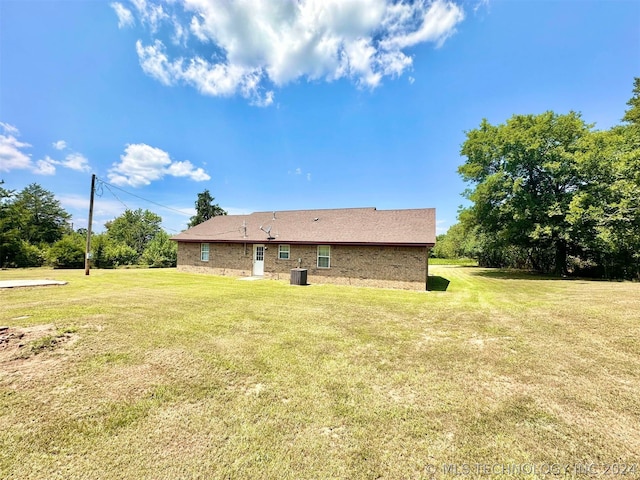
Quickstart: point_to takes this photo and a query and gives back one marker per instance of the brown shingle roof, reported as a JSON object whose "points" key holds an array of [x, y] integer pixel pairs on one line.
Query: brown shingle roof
{"points": [[331, 226]]}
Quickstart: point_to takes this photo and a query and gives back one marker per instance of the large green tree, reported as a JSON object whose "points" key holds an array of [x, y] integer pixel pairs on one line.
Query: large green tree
{"points": [[524, 175], [41, 217], [550, 193], [134, 228], [606, 211], [30, 221], [205, 209], [9, 232]]}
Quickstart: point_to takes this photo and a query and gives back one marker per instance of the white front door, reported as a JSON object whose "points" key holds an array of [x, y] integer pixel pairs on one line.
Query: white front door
{"points": [[258, 260]]}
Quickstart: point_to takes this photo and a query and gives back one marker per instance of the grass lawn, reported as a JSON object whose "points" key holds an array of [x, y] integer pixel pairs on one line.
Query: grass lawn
{"points": [[157, 374]]}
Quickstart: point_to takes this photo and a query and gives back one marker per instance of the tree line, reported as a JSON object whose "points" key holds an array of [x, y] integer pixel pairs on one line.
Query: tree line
{"points": [[35, 230], [551, 194]]}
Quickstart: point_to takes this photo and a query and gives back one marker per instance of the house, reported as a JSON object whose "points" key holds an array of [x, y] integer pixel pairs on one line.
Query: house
{"points": [[353, 246]]}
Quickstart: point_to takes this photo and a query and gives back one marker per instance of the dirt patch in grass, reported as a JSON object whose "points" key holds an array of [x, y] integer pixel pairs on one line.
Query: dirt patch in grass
{"points": [[22, 343]]}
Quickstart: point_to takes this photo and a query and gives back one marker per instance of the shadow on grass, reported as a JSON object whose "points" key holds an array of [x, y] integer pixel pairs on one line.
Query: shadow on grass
{"points": [[438, 284], [506, 274]]}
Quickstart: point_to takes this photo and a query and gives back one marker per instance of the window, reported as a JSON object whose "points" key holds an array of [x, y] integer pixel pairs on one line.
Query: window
{"points": [[283, 252], [324, 256], [204, 252]]}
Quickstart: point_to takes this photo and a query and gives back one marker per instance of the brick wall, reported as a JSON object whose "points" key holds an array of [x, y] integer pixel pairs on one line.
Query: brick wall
{"points": [[224, 259], [395, 267]]}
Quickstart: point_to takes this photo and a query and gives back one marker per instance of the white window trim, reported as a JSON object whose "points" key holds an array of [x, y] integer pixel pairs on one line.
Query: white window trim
{"points": [[328, 257], [287, 251], [203, 252]]}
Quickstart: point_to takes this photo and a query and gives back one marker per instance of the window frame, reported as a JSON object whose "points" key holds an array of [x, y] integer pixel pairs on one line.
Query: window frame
{"points": [[327, 256], [287, 251], [205, 252]]}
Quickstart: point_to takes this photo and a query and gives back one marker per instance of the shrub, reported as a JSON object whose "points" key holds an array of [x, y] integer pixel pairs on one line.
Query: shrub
{"points": [[67, 252]]}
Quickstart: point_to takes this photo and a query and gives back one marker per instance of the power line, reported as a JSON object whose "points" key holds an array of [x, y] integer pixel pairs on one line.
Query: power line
{"points": [[141, 198], [108, 185], [116, 197]]}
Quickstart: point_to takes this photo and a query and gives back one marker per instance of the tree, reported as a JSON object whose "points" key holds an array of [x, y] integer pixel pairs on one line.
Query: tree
{"points": [[460, 241], [29, 221], [161, 252], [205, 209], [633, 114], [9, 232], [525, 175], [40, 216], [68, 252], [120, 254], [552, 194], [99, 245], [605, 211], [134, 228]]}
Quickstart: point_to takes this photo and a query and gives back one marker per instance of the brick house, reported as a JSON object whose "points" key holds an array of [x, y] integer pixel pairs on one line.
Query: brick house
{"points": [[353, 246]]}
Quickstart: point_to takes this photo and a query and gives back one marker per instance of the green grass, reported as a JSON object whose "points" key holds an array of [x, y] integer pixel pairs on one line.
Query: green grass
{"points": [[469, 262], [189, 376]]}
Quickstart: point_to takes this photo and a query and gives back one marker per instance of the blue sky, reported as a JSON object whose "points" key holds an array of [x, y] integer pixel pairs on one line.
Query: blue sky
{"points": [[284, 105]]}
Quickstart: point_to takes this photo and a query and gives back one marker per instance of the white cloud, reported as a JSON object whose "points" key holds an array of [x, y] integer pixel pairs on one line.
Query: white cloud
{"points": [[180, 32], [298, 171], [480, 4], [125, 17], [11, 155], [186, 169], [257, 44], [141, 164], [150, 13], [45, 166], [76, 161], [9, 129], [208, 78]]}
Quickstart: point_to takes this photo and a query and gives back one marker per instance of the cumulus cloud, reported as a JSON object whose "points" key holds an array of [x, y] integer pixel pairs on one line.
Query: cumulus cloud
{"points": [[141, 164], [254, 46], [46, 166], [76, 161], [125, 17], [12, 156], [59, 145]]}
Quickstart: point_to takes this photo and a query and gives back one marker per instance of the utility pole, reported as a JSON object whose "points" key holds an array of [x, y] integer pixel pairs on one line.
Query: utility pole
{"points": [[87, 260]]}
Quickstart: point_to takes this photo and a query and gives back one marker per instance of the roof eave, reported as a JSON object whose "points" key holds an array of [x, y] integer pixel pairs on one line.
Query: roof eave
{"points": [[297, 242]]}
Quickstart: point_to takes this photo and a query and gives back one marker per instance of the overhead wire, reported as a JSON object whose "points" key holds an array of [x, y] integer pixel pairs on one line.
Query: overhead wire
{"points": [[142, 198], [100, 183]]}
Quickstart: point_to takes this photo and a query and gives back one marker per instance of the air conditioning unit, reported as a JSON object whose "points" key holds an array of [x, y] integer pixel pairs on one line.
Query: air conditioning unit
{"points": [[298, 276]]}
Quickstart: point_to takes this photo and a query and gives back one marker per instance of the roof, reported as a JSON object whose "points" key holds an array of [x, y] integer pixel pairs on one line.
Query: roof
{"points": [[348, 226]]}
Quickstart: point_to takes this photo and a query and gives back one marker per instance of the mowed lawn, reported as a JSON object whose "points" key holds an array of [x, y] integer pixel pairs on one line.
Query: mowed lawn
{"points": [[157, 374]]}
